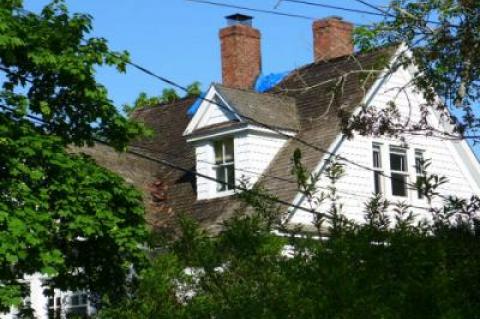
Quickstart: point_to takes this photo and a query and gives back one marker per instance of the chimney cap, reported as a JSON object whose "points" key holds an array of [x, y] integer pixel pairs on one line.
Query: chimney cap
{"points": [[239, 18]]}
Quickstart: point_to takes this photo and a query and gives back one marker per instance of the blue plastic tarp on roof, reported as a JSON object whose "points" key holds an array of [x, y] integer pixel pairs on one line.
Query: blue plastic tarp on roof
{"points": [[193, 109], [266, 82], [263, 84]]}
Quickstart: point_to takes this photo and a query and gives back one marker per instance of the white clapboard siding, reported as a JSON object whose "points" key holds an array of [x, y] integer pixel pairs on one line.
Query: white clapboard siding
{"points": [[356, 187], [253, 153]]}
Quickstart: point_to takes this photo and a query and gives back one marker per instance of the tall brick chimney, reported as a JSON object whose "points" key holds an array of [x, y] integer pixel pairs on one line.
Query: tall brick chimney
{"points": [[332, 38], [241, 57]]}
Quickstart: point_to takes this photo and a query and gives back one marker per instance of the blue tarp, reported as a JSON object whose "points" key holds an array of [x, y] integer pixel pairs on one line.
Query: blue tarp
{"points": [[193, 109], [266, 82], [263, 84]]}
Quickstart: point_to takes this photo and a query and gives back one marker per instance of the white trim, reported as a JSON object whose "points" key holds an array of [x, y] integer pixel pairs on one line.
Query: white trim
{"points": [[230, 131], [203, 108], [470, 165]]}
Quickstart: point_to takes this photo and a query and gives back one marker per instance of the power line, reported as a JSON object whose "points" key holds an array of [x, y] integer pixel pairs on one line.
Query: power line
{"points": [[224, 107], [279, 13], [269, 127], [385, 13], [183, 169], [328, 6], [341, 192], [273, 12], [167, 163]]}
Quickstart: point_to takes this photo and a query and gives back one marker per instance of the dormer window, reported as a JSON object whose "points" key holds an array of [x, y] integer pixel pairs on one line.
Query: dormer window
{"points": [[224, 164]]}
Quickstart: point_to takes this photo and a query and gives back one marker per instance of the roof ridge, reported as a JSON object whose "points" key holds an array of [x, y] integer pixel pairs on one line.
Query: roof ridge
{"points": [[163, 105], [268, 94], [357, 54]]}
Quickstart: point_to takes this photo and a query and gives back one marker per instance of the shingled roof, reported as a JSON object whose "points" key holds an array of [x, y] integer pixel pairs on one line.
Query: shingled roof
{"points": [[317, 116], [278, 111]]}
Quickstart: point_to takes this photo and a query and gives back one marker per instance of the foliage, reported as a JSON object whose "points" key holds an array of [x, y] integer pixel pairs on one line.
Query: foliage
{"points": [[443, 36], [61, 214], [392, 266], [168, 96]]}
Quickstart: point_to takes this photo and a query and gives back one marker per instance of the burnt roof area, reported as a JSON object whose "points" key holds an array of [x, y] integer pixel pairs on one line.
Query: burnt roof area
{"points": [[306, 101]]}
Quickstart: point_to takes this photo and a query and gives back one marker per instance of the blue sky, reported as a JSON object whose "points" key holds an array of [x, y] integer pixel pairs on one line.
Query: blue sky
{"points": [[179, 39]]}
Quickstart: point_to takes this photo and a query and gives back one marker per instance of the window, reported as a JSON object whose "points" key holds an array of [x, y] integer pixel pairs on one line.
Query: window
{"points": [[77, 306], [399, 171], [224, 164], [377, 168], [420, 171]]}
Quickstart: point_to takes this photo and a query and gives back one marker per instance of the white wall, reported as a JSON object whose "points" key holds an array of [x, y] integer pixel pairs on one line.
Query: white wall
{"points": [[253, 153], [356, 187], [214, 115], [39, 301]]}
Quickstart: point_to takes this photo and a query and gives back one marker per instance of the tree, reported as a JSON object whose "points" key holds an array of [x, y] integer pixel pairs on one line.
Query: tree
{"points": [[442, 36], [380, 269], [168, 96], [61, 214]]}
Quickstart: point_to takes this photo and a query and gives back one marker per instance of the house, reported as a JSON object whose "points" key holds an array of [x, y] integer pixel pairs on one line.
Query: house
{"points": [[238, 133], [247, 130]]}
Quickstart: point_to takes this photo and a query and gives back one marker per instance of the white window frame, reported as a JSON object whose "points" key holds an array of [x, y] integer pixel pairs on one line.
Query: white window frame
{"points": [[398, 150], [224, 165], [378, 169]]}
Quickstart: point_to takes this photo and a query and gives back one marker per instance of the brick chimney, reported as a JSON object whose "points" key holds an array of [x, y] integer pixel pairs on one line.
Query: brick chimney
{"points": [[332, 38], [241, 59]]}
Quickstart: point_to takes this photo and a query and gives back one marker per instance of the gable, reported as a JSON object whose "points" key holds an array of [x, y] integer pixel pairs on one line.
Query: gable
{"points": [[212, 110], [453, 159], [215, 114]]}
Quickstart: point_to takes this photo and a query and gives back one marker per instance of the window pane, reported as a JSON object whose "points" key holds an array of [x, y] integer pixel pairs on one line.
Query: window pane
{"points": [[419, 162], [221, 178], [218, 152], [419, 189], [399, 187], [229, 150], [377, 180], [74, 300], [398, 162], [77, 312], [377, 162], [230, 176]]}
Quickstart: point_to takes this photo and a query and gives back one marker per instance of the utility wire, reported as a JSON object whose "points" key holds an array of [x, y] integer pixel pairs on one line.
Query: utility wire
{"points": [[329, 6], [183, 169], [279, 13], [273, 12], [341, 192], [224, 107], [267, 126], [384, 12], [167, 163]]}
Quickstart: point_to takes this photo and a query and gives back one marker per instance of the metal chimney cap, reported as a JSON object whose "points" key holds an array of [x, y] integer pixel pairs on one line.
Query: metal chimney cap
{"points": [[239, 18]]}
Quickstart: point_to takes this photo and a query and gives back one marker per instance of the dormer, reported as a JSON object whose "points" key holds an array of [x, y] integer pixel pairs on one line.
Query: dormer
{"points": [[236, 134]]}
